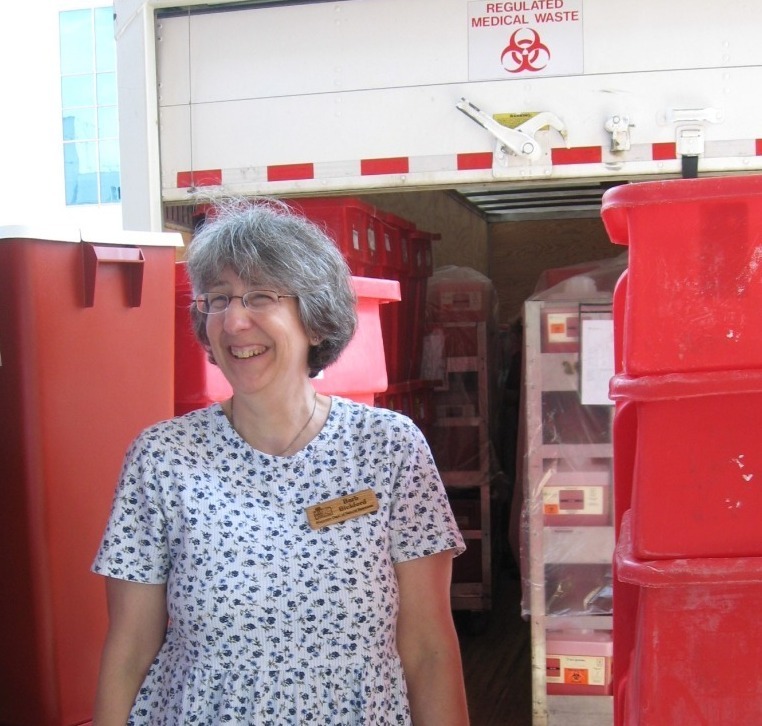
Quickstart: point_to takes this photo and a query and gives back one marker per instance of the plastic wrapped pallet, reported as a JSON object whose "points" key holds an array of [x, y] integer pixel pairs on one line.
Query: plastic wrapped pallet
{"points": [[564, 523]]}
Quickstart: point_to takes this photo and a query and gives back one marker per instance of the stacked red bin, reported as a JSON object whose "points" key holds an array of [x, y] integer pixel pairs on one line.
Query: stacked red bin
{"points": [[409, 260], [360, 373], [351, 223], [379, 244], [688, 463]]}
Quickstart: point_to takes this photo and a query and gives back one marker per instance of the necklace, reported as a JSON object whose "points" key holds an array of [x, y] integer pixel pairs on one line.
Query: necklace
{"points": [[303, 428], [298, 434]]}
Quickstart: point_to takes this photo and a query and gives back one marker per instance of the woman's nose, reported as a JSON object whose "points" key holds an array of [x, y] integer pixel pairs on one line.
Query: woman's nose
{"points": [[236, 315]]}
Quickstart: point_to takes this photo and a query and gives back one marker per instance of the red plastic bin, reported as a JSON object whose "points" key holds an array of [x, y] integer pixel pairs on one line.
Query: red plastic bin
{"points": [[419, 269], [352, 225], [360, 372], [697, 641], [697, 463], [86, 338], [198, 383], [393, 236], [408, 259], [695, 278]]}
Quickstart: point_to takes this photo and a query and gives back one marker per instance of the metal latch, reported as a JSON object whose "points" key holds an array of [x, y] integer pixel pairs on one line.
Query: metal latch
{"points": [[519, 141], [689, 140], [689, 134], [689, 128], [619, 127]]}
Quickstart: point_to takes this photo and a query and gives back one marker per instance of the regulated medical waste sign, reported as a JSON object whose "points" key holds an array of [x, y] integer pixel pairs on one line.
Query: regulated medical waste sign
{"points": [[524, 39]]}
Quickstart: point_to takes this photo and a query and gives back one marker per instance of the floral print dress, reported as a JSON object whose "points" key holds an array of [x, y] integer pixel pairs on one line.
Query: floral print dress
{"points": [[273, 622]]}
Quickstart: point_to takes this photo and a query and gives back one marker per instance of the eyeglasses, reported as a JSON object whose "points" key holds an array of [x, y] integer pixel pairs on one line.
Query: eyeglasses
{"points": [[211, 303]]}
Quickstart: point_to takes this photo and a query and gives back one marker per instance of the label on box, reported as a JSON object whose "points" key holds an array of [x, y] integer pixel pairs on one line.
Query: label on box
{"points": [[560, 500], [577, 670], [461, 300], [562, 328]]}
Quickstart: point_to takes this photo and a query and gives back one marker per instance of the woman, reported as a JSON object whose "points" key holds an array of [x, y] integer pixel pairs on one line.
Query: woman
{"points": [[283, 557]]}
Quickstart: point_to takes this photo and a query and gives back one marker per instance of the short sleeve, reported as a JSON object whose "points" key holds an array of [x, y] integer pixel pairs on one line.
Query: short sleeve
{"points": [[135, 543], [422, 522]]}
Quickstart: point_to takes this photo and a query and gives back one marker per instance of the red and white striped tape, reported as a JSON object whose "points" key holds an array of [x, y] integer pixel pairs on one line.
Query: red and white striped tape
{"points": [[582, 155]]}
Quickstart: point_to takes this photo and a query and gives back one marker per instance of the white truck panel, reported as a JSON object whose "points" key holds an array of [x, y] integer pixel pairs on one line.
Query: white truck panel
{"points": [[622, 36], [301, 98], [306, 49], [375, 44]]}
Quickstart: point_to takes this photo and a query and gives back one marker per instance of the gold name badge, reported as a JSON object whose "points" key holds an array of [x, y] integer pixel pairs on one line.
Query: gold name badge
{"points": [[339, 510]]}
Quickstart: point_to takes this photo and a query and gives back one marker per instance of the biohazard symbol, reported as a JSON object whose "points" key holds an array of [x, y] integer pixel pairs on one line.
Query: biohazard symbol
{"points": [[525, 53]]}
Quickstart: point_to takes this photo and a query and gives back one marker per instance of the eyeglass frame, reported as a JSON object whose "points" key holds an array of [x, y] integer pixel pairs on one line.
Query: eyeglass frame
{"points": [[271, 295]]}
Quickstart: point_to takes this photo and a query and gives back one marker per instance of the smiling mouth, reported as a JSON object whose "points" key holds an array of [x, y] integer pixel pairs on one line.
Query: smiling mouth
{"points": [[243, 353]]}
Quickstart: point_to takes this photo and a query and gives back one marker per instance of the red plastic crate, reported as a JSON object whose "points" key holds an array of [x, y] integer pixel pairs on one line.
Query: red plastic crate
{"points": [[394, 233], [697, 463], [421, 261], [410, 262], [695, 280], [697, 644], [390, 232], [420, 269], [360, 372], [351, 223]]}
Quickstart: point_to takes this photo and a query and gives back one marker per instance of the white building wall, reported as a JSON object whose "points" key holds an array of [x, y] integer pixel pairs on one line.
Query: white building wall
{"points": [[31, 151]]}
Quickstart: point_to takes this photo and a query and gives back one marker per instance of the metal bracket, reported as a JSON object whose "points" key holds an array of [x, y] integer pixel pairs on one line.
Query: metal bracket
{"points": [[619, 127], [689, 140], [689, 127], [519, 141]]}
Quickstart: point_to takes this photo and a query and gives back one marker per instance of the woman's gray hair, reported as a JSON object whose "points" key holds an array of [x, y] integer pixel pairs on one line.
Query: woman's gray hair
{"points": [[271, 245]]}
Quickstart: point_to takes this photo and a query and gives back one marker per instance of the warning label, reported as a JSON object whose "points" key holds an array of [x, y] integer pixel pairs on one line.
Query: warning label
{"points": [[578, 670], [524, 38]]}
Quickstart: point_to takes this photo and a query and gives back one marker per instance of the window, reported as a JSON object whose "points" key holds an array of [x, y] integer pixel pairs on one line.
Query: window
{"points": [[89, 105]]}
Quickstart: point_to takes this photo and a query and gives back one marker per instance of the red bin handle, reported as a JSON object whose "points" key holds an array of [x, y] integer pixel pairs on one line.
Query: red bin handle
{"points": [[131, 259]]}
